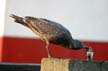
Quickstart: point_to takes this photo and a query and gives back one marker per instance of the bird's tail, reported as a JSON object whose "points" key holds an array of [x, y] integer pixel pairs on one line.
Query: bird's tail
{"points": [[18, 19]]}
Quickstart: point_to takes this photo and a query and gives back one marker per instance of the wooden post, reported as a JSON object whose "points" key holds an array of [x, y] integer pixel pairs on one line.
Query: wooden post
{"points": [[53, 64], [2, 23]]}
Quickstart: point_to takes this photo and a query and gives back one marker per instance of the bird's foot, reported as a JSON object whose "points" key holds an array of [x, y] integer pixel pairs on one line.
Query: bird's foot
{"points": [[49, 56], [52, 57]]}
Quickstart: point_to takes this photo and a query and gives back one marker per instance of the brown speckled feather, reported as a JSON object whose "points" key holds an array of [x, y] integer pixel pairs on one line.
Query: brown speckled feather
{"points": [[52, 31]]}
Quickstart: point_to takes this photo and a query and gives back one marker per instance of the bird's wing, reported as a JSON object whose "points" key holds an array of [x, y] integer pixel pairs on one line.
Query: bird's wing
{"points": [[47, 28], [56, 27]]}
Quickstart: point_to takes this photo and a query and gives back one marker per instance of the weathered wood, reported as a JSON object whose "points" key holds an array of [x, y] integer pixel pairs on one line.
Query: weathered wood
{"points": [[53, 64]]}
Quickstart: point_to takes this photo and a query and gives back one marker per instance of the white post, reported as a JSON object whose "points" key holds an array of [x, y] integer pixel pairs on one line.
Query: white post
{"points": [[2, 23], [2, 16]]}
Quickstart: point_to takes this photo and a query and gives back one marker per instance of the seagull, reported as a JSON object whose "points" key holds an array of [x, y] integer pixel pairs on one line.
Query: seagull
{"points": [[52, 32]]}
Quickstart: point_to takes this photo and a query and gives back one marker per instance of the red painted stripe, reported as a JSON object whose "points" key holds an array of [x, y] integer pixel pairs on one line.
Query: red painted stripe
{"points": [[31, 50]]}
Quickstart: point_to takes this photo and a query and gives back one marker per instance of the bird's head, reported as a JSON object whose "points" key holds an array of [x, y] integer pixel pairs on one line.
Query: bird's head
{"points": [[76, 44]]}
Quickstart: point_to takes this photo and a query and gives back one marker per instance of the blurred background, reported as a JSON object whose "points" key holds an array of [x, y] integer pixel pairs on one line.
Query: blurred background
{"points": [[87, 20]]}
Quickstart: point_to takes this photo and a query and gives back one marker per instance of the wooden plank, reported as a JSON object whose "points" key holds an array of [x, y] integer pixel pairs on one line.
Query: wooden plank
{"points": [[53, 64]]}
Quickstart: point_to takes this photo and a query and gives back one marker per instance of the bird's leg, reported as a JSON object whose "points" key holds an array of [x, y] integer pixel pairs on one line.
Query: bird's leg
{"points": [[48, 50], [89, 53]]}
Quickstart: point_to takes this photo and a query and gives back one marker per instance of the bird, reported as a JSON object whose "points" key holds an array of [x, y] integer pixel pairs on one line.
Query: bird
{"points": [[52, 33]]}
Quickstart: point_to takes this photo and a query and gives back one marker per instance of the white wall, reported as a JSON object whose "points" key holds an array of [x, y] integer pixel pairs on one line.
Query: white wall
{"points": [[86, 19]]}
